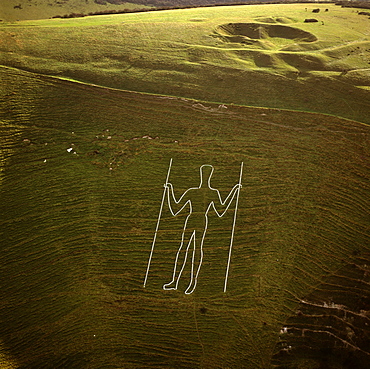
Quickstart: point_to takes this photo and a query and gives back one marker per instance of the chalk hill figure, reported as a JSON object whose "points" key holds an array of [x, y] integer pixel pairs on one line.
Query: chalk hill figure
{"points": [[200, 200]]}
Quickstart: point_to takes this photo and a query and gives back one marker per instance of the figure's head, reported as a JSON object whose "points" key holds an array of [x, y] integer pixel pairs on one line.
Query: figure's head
{"points": [[206, 172]]}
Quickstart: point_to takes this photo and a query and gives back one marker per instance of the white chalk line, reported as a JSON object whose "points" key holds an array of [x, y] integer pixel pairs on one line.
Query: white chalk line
{"points": [[233, 229], [157, 226]]}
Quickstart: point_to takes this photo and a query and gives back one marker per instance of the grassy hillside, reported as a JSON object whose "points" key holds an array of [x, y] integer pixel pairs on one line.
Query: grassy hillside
{"points": [[92, 110], [13, 10], [77, 227], [262, 55]]}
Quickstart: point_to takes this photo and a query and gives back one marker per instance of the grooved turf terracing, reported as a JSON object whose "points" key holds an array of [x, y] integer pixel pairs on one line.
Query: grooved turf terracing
{"points": [[81, 182]]}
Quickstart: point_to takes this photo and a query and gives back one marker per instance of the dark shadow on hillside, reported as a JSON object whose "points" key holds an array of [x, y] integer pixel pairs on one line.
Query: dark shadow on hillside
{"points": [[244, 32], [331, 328]]}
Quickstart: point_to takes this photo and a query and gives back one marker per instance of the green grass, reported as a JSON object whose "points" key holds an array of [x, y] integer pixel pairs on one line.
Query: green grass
{"points": [[36, 9], [190, 53], [77, 229]]}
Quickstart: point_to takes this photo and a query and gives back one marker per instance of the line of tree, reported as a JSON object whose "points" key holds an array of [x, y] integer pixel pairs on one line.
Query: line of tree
{"points": [[354, 4], [173, 7]]}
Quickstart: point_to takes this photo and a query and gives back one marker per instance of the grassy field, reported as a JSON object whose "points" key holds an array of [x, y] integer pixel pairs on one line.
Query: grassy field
{"points": [[15, 10], [263, 55], [77, 228], [82, 168]]}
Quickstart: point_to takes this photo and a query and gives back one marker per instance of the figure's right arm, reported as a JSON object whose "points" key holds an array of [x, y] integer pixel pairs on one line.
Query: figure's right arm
{"points": [[176, 206]]}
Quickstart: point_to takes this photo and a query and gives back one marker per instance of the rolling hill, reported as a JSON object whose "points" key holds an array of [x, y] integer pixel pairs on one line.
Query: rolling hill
{"points": [[263, 55], [12, 10], [93, 110]]}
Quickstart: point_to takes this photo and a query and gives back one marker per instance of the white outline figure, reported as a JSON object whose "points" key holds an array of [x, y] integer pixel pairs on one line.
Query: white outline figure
{"points": [[200, 200]]}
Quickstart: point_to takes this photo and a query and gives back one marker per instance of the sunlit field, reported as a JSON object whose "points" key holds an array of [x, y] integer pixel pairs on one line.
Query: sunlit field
{"points": [[98, 113], [262, 55]]}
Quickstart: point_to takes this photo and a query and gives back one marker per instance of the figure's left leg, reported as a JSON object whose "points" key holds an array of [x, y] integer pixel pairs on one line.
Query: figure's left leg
{"points": [[196, 263]]}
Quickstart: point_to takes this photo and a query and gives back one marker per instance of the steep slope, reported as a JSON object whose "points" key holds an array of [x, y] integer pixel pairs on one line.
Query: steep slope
{"points": [[82, 174]]}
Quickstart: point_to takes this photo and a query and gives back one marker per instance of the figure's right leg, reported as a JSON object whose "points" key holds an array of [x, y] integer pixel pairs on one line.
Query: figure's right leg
{"points": [[181, 256]]}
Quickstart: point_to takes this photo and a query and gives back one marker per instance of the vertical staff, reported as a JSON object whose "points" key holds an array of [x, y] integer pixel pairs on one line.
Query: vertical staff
{"points": [[158, 221], [232, 233]]}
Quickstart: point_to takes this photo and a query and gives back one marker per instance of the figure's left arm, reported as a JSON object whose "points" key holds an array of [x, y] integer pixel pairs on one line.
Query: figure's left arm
{"points": [[220, 206]]}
